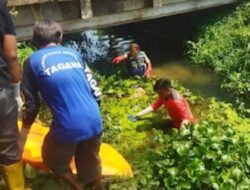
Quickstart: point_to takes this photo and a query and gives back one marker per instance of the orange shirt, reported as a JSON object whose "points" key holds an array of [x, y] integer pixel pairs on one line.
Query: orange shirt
{"points": [[177, 108]]}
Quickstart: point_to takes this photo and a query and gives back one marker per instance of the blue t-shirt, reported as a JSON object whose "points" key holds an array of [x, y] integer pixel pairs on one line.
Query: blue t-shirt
{"points": [[60, 78]]}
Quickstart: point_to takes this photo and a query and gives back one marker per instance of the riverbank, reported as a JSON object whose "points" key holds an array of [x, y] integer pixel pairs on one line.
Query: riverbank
{"points": [[213, 154], [136, 141]]}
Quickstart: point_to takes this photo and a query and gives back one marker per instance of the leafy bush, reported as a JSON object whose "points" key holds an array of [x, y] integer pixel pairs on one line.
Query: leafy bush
{"points": [[24, 50], [205, 156], [225, 46]]}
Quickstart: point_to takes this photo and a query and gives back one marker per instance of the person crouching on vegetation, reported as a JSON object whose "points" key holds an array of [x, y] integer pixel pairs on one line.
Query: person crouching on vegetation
{"points": [[176, 105], [66, 84], [137, 61]]}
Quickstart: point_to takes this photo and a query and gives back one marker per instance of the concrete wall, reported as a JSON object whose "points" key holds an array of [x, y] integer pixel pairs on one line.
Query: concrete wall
{"points": [[117, 6], [79, 15], [31, 10], [167, 2], [31, 2], [58, 11]]}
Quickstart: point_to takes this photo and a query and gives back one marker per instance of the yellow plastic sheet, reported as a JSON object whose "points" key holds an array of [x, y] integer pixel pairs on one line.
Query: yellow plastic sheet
{"points": [[113, 163]]}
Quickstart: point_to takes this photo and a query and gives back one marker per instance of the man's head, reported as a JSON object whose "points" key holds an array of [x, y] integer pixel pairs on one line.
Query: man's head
{"points": [[134, 49], [163, 87], [45, 32]]}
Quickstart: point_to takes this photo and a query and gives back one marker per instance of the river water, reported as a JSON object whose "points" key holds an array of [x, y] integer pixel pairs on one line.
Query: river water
{"points": [[163, 40]]}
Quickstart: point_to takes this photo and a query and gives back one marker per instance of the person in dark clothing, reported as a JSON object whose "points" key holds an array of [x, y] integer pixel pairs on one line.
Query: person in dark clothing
{"points": [[137, 61], [10, 103], [66, 84]]}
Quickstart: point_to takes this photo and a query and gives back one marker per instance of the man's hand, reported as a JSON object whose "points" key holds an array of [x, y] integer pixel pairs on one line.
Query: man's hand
{"points": [[185, 122], [132, 118], [119, 59], [17, 95], [148, 74], [19, 104]]}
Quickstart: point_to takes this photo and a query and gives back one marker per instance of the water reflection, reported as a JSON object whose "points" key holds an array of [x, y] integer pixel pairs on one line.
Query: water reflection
{"points": [[100, 46], [163, 40], [195, 78], [178, 71]]}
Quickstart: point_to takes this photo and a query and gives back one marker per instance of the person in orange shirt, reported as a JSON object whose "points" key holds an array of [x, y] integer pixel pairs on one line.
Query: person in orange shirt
{"points": [[137, 60], [175, 104]]}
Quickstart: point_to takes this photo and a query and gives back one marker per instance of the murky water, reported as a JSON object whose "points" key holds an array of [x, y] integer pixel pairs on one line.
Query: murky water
{"points": [[163, 44], [100, 50], [195, 78]]}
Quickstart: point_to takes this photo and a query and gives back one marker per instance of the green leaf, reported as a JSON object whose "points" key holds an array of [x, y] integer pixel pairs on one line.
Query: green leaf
{"points": [[182, 150], [173, 171], [30, 172], [205, 178], [183, 185], [197, 165], [226, 158], [237, 173], [185, 131]]}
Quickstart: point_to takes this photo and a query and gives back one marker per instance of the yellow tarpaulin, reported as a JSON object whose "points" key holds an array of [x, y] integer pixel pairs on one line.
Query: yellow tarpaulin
{"points": [[112, 161]]}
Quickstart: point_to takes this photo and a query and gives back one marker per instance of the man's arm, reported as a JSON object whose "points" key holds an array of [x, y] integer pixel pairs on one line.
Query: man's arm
{"points": [[135, 117], [154, 106], [119, 58], [9, 47], [96, 91], [149, 67], [10, 52], [32, 103], [145, 111], [147, 60], [30, 93]]}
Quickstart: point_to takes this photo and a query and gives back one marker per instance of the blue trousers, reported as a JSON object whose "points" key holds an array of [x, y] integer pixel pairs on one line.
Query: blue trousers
{"points": [[138, 71]]}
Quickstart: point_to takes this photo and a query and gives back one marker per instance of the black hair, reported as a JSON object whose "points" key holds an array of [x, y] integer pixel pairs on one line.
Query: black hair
{"points": [[162, 84], [45, 32]]}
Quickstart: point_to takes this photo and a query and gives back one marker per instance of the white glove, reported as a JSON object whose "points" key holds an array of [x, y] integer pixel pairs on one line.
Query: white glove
{"points": [[145, 111], [17, 95], [23, 137]]}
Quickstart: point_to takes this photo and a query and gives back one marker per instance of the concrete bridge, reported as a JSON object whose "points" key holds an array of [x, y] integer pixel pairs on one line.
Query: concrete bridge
{"points": [[79, 15]]}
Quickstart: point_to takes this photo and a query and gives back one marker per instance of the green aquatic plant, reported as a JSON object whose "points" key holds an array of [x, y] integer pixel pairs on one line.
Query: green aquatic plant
{"points": [[224, 46], [208, 155], [24, 50], [151, 148], [213, 154]]}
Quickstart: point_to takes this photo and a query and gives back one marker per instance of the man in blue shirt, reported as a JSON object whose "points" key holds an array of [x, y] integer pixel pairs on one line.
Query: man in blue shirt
{"points": [[67, 86]]}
